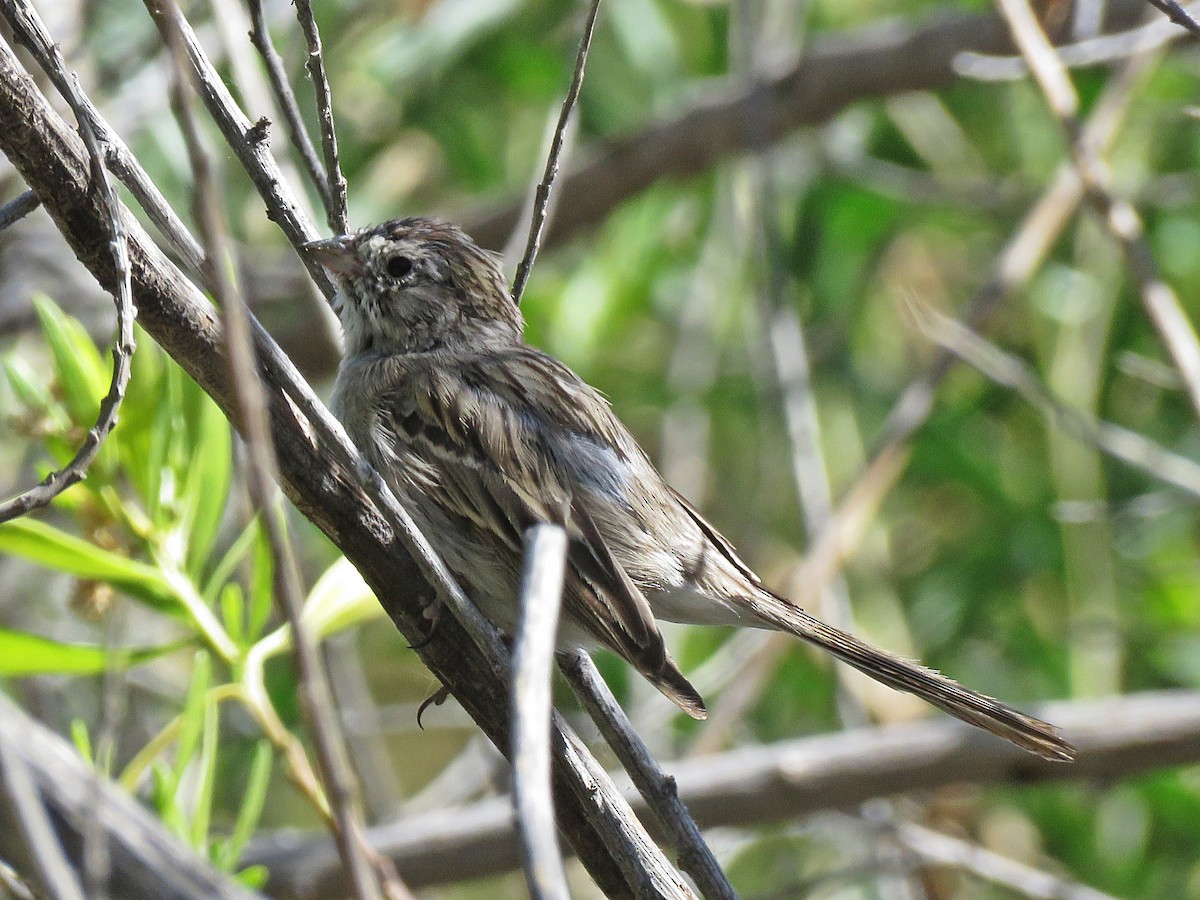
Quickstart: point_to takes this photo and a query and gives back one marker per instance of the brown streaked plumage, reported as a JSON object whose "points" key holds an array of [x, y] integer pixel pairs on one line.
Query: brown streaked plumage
{"points": [[482, 435]]}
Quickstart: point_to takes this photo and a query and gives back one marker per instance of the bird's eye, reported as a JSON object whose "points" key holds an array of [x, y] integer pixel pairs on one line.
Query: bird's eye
{"points": [[399, 266]]}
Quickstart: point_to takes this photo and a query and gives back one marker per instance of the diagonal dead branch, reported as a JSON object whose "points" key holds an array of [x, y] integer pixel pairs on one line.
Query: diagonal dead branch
{"points": [[261, 471], [146, 860], [248, 141], [17, 209], [323, 475], [1003, 368], [1014, 267], [657, 789], [1177, 14]]}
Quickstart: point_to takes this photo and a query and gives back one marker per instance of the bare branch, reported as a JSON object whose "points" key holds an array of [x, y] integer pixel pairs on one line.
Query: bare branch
{"points": [[17, 209], [1178, 15], [878, 60], [105, 196], [533, 667], [932, 846], [657, 788], [335, 184], [541, 198], [260, 36], [1090, 52], [146, 860], [1005, 369], [248, 142], [29, 29], [43, 860], [261, 471], [1162, 306], [1114, 737]]}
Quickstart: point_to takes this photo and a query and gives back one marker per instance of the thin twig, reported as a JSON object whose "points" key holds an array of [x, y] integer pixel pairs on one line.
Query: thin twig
{"points": [[1007, 370], [933, 846], [658, 789], [29, 29], [542, 195], [1093, 51], [533, 667], [247, 141], [105, 196], [1178, 15], [261, 472], [17, 209], [335, 206], [45, 863], [260, 36], [1162, 306]]}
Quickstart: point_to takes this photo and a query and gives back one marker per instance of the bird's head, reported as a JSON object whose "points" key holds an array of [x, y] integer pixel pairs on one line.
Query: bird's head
{"points": [[412, 285]]}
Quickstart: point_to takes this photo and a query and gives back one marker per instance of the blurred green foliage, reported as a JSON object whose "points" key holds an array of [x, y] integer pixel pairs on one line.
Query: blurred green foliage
{"points": [[1009, 555]]}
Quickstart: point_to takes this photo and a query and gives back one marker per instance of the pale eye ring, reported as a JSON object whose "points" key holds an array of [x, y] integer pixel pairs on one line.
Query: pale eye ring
{"points": [[399, 266]]}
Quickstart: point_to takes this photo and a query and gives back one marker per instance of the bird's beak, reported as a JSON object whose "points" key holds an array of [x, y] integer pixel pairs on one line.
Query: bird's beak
{"points": [[336, 254]]}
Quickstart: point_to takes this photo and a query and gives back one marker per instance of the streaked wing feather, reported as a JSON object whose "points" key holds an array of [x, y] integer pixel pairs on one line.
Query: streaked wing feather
{"points": [[493, 425]]}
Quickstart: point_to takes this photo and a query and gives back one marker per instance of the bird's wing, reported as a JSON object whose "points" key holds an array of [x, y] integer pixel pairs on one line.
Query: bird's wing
{"points": [[495, 428]]}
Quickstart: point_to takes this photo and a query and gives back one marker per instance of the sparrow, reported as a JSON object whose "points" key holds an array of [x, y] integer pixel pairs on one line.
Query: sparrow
{"points": [[482, 435]]}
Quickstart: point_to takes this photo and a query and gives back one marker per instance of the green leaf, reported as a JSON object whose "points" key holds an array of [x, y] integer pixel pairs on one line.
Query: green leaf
{"points": [[205, 491], [54, 549], [262, 585], [253, 800], [235, 554], [191, 727], [82, 740], [207, 772], [233, 612], [339, 600], [30, 390], [81, 370], [24, 654], [253, 877]]}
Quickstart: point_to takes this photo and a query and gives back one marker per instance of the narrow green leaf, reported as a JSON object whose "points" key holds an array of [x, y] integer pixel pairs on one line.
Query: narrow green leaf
{"points": [[191, 724], [82, 740], [254, 798], [234, 555], [253, 877], [262, 585], [24, 654], [81, 370], [339, 600], [233, 612], [29, 390], [54, 549], [207, 769], [206, 486]]}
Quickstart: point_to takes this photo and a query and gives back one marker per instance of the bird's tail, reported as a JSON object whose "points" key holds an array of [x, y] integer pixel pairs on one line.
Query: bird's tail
{"points": [[903, 675]]}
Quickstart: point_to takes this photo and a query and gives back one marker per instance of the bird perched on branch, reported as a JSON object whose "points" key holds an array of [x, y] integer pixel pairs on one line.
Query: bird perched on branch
{"points": [[481, 435]]}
